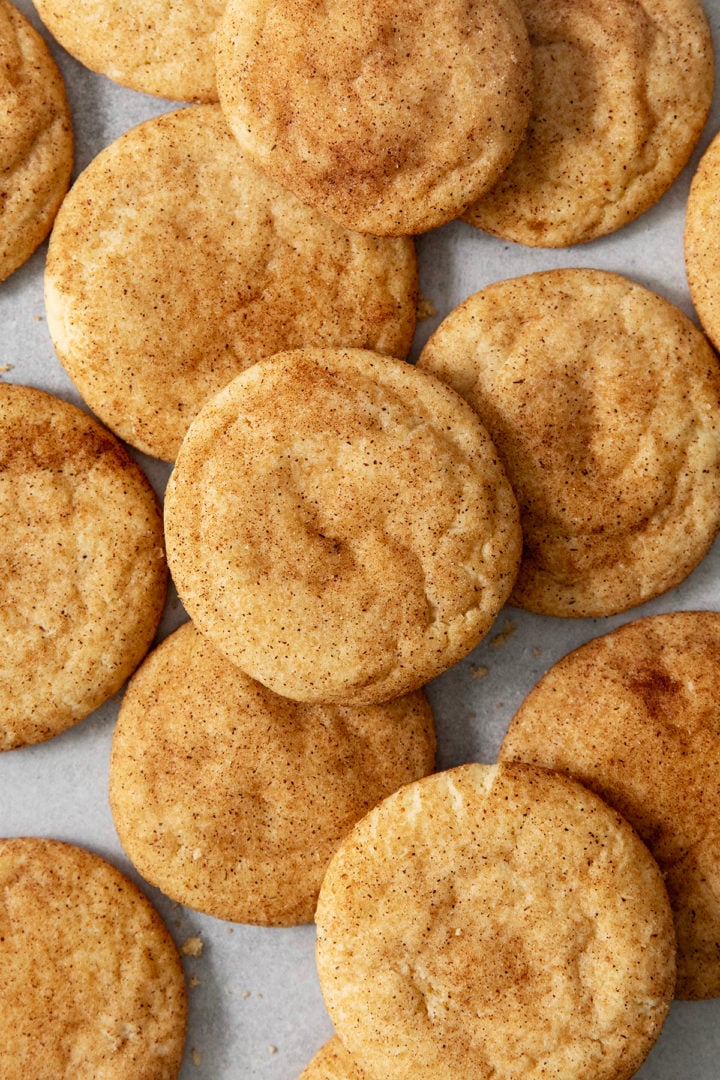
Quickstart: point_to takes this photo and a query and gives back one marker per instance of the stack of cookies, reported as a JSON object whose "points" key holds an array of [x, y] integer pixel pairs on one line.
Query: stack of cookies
{"points": [[495, 921], [340, 531], [233, 287]]}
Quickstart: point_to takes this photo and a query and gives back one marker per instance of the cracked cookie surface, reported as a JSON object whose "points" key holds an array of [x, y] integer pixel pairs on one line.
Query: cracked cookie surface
{"points": [[621, 95], [232, 799], [603, 400], [395, 117], [161, 47], [92, 982], [495, 921], [36, 141], [174, 264], [634, 715], [84, 572], [339, 525]]}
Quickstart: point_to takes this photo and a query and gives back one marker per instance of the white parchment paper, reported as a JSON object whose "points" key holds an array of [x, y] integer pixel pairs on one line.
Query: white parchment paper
{"points": [[256, 1012]]}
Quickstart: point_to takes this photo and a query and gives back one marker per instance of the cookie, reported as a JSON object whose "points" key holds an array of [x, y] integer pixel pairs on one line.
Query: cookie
{"points": [[495, 921], [92, 982], [36, 140], [634, 715], [702, 230], [84, 574], [621, 95], [174, 264], [332, 1062], [339, 525], [604, 402], [232, 799], [162, 47], [395, 117]]}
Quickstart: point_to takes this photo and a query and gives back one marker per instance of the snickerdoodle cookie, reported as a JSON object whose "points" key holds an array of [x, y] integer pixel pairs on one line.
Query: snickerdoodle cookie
{"points": [[232, 799], [174, 264], [621, 95], [635, 716], [162, 47], [495, 921], [332, 1062], [339, 524], [391, 118], [84, 574], [36, 141], [702, 241], [604, 402], [92, 982]]}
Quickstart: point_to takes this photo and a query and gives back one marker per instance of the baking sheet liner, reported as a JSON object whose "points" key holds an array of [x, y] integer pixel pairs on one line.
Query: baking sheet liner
{"points": [[256, 1012]]}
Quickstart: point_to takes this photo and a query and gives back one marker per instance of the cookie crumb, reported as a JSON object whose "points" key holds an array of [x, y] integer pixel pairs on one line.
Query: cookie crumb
{"points": [[193, 981], [192, 947], [272, 1049], [246, 995], [507, 631], [4, 368], [196, 1056], [536, 650], [425, 308], [479, 671]]}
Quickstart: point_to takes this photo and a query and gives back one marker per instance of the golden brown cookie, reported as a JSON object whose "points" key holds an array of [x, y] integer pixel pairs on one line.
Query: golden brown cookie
{"points": [[36, 142], [92, 982], [339, 525], [332, 1062], [84, 574], [162, 47], [174, 264], [634, 715], [604, 402], [495, 922], [232, 799], [621, 95], [390, 118], [702, 241]]}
